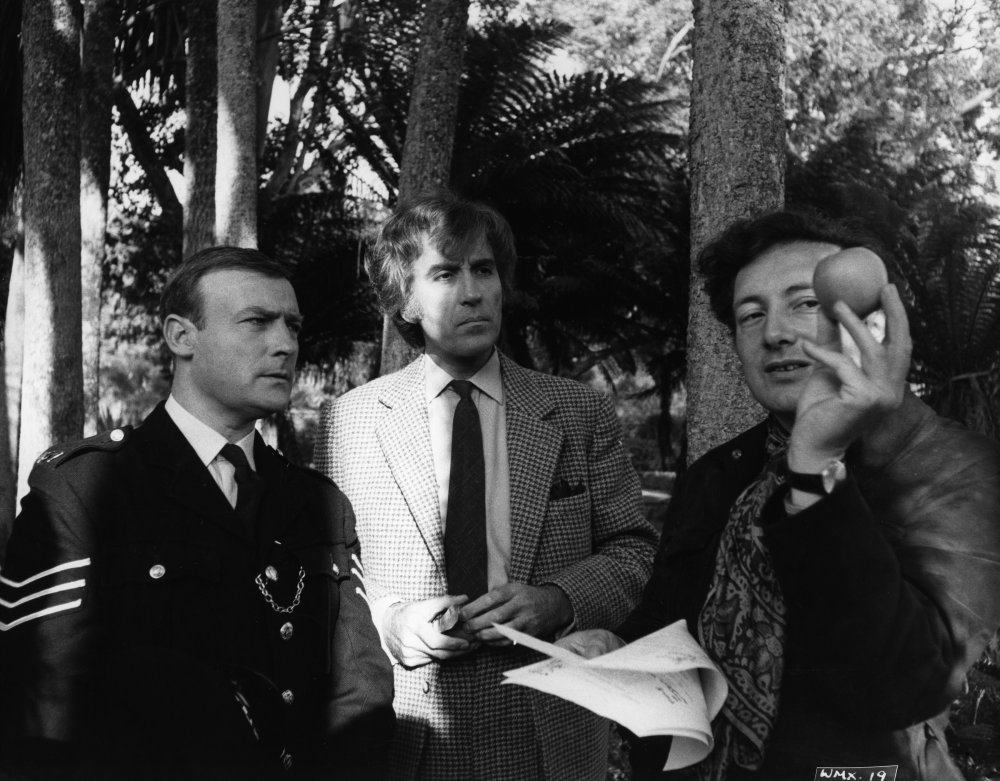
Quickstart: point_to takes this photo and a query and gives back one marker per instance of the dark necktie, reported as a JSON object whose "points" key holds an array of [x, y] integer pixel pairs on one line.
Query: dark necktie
{"points": [[248, 485], [465, 527]]}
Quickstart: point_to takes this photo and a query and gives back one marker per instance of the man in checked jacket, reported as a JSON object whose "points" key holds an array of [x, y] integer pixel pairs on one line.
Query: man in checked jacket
{"points": [[552, 534]]}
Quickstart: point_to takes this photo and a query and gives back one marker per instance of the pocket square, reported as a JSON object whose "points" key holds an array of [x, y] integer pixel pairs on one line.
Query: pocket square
{"points": [[563, 490]]}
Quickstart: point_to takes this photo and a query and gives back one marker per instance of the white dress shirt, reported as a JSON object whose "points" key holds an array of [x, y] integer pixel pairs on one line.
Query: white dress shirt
{"points": [[207, 442]]}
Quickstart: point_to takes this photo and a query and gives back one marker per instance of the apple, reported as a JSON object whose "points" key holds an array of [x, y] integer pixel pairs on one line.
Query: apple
{"points": [[855, 276]]}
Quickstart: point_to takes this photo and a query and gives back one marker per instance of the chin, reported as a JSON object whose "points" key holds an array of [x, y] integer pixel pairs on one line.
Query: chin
{"points": [[269, 406]]}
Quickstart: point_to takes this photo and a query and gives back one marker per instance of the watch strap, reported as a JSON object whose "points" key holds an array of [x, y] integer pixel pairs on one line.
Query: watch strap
{"points": [[821, 484]]}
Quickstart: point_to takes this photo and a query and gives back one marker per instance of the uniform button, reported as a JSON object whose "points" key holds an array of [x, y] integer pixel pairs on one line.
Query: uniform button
{"points": [[737, 453], [336, 570], [288, 696], [157, 571], [287, 630], [117, 435], [270, 572]]}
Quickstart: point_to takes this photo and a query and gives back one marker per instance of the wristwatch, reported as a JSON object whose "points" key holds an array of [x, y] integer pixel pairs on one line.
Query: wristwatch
{"points": [[830, 476]]}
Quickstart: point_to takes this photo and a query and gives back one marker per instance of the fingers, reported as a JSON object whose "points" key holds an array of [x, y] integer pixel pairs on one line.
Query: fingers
{"points": [[414, 638], [500, 613], [589, 643], [894, 351], [438, 644], [492, 637], [856, 327], [897, 324], [486, 602], [434, 606]]}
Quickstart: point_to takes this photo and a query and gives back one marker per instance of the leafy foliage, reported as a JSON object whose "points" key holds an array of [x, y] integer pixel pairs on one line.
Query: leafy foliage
{"points": [[11, 85], [946, 257], [584, 168]]}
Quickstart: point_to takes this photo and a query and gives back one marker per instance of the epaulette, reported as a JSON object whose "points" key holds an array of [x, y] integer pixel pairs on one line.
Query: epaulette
{"points": [[108, 441]]}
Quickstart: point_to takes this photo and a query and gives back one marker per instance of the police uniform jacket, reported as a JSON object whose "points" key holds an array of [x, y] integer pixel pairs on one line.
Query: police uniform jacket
{"points": [[148, 632]]}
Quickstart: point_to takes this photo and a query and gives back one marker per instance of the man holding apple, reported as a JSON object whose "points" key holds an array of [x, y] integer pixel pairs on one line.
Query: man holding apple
{"points": [[840, 561]]}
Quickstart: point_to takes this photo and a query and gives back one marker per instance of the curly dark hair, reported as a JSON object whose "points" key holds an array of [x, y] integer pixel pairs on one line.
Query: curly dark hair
{"points": [[450, 223], [744, 241]]}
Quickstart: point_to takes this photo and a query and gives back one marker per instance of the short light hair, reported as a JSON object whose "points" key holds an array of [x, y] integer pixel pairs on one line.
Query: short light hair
{"points": [[181, 295], [452, 225]]}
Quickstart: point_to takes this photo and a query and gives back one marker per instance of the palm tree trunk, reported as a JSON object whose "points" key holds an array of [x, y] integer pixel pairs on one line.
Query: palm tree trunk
{"points": [[236, 163], [100, 19], [10, 389], [737, 170], [52, 387], [430, 127], [201, 94]]}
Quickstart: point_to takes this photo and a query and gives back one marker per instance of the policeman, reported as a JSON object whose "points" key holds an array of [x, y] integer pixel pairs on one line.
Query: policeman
{"points": [[178, 600]]}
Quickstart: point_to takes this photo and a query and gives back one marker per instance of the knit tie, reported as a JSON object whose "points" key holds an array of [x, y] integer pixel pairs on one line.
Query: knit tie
{"points": [[465, 527]]}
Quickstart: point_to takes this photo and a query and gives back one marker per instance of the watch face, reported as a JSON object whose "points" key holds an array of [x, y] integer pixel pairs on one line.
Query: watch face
{"points": [[833, 474]]}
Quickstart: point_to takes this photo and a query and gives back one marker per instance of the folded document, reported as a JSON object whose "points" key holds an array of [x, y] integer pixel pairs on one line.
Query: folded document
{"points": [[662, 684]]}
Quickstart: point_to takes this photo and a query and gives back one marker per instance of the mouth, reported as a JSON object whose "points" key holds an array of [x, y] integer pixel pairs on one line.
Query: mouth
{"points": [[478, 320], [786, 366], [285, 376]]}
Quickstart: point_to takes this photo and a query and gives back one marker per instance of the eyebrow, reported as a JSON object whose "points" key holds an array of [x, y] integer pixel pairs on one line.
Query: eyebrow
{"points": [[444, 265], [269, 314], [790, 290]]}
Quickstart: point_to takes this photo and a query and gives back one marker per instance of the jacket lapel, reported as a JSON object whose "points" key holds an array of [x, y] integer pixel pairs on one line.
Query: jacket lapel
{"points": [[280, 504], [188, 482], [404, 435], [533, 447]]}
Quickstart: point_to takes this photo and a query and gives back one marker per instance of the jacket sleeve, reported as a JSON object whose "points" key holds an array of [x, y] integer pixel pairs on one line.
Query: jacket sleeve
{"points": [[360, 714], [605, 586], [893, 585], [654, 610], [48, 618]]}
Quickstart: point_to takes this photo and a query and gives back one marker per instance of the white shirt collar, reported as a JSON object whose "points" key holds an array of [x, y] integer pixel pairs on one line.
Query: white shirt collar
{"points": [[488, 379], [206, 441]]}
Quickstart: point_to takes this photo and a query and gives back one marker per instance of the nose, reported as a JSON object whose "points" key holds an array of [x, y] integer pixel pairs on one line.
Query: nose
{"points": [[285, 338], [779, 330], [471, 287]]}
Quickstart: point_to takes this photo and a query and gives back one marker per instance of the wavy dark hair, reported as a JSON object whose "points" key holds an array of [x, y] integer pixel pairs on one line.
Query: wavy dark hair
{"points": [[451, 224], [744, 241]]}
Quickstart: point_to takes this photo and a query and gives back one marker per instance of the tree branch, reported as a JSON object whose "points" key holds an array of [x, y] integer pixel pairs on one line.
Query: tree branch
{"points": [[145, 153]]}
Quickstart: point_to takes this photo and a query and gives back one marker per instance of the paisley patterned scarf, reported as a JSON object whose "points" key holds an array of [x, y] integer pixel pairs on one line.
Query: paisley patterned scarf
{"points": [[742, 625]]}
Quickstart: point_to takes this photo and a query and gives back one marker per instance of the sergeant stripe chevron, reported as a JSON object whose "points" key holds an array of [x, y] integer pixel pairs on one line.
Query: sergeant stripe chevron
{"points": [[53, 591]]}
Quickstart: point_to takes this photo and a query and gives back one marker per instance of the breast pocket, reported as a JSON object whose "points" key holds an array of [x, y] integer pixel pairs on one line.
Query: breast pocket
{"points": [[154, 590], [567, 532]]}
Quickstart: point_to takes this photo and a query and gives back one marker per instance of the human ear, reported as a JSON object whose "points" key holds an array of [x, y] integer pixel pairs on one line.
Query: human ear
{"points": [[411, 312], [181, 335]]}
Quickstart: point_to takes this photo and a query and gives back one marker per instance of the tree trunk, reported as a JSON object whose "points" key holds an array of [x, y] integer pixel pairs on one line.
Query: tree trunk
{"points": [[52, 388], [430, 127], [100, 20], [269, 14], [13, 344], [201, 93], [737, 170], [236, 164]]}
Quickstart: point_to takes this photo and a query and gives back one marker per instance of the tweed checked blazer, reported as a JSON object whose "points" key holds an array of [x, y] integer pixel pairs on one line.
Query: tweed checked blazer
{"points": [[455, 720]]}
